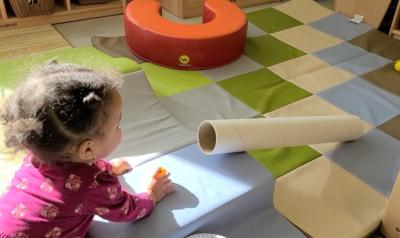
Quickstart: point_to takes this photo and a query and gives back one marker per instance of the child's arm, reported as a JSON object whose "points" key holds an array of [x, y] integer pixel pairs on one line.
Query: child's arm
{"points": [[160, 184], [108, 200]]}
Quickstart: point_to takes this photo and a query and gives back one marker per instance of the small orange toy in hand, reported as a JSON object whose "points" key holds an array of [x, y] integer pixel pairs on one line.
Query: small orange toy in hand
{"points": [[162, 172], [160, 185]]}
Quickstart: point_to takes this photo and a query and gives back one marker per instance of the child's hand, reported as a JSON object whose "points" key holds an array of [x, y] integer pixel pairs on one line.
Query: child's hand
{"points": [[120, 166], [160, 185]]}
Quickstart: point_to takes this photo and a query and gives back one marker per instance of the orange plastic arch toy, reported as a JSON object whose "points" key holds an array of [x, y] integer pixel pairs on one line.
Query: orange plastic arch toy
{"points": [[218, 41]]}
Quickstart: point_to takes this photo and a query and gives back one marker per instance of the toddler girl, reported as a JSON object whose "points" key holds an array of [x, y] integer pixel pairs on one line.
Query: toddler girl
{"points": [[67, 118]]}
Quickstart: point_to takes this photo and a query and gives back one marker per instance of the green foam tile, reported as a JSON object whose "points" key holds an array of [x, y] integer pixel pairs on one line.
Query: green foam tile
{"points": [[280, 161], [263, 90], [12, 71], [267, 50], [272, 20], [166, 81]]}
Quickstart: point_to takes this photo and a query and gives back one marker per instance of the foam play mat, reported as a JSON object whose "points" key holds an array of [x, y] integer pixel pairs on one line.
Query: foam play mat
{"points": [[300, 59]]}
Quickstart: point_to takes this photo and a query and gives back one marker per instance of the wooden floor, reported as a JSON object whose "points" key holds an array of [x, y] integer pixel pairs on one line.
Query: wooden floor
{"points": [[19, 42]]}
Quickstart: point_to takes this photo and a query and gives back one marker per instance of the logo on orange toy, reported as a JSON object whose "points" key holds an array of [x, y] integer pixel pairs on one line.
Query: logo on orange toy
{"points": [[184, 59]]}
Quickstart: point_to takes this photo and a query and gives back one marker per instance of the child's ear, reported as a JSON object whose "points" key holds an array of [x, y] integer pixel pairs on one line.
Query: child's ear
{"points": [[86, 151]]}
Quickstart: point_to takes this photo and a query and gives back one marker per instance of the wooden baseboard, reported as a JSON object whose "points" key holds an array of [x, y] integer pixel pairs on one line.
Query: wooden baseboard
{"points": [[62, 14]]}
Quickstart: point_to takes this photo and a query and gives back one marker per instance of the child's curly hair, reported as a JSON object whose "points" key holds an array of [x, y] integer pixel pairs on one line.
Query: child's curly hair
{"points": [[56, 108]]}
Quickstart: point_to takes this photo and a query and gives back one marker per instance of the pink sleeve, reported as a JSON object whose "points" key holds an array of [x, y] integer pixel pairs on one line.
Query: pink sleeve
{"points": [[107, 199]]}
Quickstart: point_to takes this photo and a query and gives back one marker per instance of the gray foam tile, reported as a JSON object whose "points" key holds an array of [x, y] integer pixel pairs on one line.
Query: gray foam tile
{"points": [[374, 158], [190, 108], [365, 100], [339, 26]]}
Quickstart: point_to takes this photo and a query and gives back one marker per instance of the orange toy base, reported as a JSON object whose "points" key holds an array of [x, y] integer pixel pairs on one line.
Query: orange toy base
{"points": [[216, 42]]}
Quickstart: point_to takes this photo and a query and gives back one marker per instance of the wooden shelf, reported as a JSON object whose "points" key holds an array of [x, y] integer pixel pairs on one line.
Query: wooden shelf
{"points": [[3, 12], [395, 28], [76, 7], [63, 13]]}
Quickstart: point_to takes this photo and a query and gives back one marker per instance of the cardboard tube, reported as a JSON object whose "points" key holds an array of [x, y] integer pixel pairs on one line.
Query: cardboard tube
{"points": [[235, 135]]}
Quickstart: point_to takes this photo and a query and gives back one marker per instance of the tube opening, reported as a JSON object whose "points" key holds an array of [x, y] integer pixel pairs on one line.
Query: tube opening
{"points": [[207, 137]]}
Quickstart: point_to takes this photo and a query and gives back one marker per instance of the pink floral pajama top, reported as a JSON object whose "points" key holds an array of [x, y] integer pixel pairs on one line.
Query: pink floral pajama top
{"points": [[52, 201]]}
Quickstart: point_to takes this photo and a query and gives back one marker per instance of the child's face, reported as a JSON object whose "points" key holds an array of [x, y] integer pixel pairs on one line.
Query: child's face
{"points": [[111, 130]]}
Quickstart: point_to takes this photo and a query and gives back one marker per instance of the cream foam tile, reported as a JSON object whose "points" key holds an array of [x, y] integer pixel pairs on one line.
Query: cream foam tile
{"points": [[326, 147], [298, 67], [306, 38], [323, 79], [305, 11], [310, 106], [324, 200]]}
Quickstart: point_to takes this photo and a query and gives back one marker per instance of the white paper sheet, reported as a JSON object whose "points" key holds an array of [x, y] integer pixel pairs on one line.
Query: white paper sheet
{"points": [[226, 136]]}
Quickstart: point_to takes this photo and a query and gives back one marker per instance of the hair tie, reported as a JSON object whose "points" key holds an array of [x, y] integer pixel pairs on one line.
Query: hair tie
{"points": [[91, 98]]}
